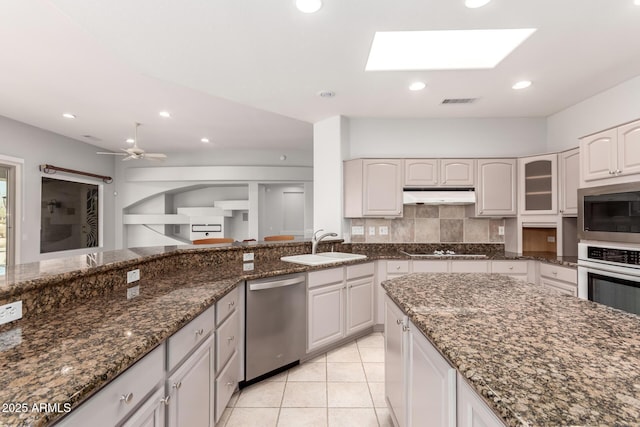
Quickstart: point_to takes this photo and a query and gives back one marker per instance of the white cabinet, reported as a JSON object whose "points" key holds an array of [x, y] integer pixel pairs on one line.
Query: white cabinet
{"points": [[189, 337], [512, 268], [569, 181], [496, 185], [439, 172], [373, 188], [397, 268], [538, 185], [395, 361], [558, 279], [151, 413], [472, 410], [432, 384], [611, 153], [191, 390], [469, 266], [340, 302]]}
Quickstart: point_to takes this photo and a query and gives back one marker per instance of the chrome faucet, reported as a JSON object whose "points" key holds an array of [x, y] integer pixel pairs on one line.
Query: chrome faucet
{"points": [[316, 240]]}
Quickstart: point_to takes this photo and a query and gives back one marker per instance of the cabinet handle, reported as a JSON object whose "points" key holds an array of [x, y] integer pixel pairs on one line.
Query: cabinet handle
{"points": [[511, 267], [231, 338], [405, 328], [398, 321], [230, 384], [177, 385], [165, 401], [555, 273], [398, 267], [612, 172], [232, 303], [618, 172], [126, 398], [199, 332]]}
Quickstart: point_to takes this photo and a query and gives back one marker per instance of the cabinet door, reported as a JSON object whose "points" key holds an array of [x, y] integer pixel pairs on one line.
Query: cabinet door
{"points": [[599, 155], [558, 287], [457, 172], [629, 149], [569, 181], [432, 385], [395, 345], [469, 266], [472, 410], [420, 172], [382, 187], [150, 414], [359, 304], [191, 390], [496, 187], [326, 315], [539, 184]]}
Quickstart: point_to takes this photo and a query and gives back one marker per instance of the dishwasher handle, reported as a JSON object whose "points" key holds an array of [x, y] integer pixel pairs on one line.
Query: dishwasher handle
{"points": [[276, 284]]}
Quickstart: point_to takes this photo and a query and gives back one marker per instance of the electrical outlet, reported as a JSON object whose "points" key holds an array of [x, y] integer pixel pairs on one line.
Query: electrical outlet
{"points": [[357, 230], [133, 291], [501, 230], [247, 257], [383, 230], [247, 266], [372, 231], [133, 275], [10, 312], [551, 239]]}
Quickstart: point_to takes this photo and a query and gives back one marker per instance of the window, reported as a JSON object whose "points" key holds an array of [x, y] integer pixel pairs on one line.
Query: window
{"points": [[68, 215]]}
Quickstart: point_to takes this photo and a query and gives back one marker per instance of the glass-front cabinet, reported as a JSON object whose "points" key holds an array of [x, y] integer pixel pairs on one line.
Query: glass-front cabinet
{"points": [[539, 185]]}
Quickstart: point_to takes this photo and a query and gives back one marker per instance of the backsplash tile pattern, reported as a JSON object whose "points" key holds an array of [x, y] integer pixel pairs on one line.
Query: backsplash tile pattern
{"points": [[431, 224]]}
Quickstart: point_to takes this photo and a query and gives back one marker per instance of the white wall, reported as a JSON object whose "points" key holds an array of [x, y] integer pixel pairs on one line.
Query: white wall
{"points": [[37, 146], [501, 137], [272, 209], [607, 109]]}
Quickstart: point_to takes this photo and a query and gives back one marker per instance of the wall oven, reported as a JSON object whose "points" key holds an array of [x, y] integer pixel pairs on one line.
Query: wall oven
{"points": [[610, 213], [610, 274]]}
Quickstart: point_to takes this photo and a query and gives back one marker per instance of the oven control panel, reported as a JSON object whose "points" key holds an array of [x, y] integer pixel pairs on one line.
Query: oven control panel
{"points": [[618, 256]]}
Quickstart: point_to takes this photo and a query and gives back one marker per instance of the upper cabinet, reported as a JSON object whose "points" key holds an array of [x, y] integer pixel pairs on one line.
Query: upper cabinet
{"points": [[569, 180], [611, 153], [496, 188], [439, 172], [373, 188], [538, 184]]}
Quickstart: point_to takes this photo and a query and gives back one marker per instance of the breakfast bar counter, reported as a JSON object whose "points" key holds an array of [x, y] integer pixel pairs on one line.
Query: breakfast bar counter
{"points": [[536, 358]]}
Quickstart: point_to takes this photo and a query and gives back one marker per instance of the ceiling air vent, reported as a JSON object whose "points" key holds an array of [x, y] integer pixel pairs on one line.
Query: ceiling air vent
{"points": [[458, 100]]}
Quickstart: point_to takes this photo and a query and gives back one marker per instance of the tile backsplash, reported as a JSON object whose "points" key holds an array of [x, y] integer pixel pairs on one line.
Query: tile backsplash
{"points": [[430, 224]]}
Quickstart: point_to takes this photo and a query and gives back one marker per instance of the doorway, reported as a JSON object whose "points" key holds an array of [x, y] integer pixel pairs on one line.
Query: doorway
{"points": [[8, 213]]}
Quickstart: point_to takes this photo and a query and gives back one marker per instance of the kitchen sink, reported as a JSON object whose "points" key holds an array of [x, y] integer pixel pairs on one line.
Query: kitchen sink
{"points": [[322, 258]]}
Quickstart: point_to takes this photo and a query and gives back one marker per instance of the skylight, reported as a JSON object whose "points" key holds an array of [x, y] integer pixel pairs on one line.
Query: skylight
{"points": [[443, 50]]}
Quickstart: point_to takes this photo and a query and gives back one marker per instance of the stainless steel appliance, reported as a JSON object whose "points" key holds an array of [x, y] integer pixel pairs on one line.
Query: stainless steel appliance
{"points": [[276, 316], [610, 213], [610, 274]]}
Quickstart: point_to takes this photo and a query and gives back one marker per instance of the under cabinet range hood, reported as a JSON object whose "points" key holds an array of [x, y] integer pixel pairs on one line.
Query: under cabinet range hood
{"points": [[438, 196]]}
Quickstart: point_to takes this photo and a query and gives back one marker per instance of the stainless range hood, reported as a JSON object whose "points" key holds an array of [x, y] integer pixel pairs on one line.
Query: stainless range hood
{"points": [[438, 196]]}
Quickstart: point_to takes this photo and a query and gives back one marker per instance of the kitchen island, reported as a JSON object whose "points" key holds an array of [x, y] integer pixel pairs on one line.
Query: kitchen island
{"points": [[536, 358]]}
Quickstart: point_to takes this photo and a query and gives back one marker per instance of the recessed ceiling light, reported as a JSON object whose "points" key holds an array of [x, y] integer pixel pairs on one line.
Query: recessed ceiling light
{"points": [[205, 140], [473, 4], [417, 86], [636, 2], [308, 6], [326, 94], [68, 116], [165, 114], [443, 50], [130, 140], [521, 85]]}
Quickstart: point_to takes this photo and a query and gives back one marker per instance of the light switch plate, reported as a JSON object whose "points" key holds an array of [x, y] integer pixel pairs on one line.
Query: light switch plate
{"points": [[383, 230], [247, 266], [10, 312], [133, 275], [372, 231], [357, 230], [133, 291], [551, 239], [501, 230], [247, 257]]}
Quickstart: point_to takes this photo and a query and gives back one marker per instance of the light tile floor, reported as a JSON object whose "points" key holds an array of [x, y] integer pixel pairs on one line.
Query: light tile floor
{"points": [[342, 388]]}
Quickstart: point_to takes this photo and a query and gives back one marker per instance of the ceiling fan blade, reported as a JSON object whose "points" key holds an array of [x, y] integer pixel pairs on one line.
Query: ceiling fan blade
{"points": [[157, 156], [115, 154], [127, 158]]}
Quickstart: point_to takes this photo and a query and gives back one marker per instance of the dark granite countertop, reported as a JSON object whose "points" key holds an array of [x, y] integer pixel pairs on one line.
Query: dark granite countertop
{"points": [[537, 358]]}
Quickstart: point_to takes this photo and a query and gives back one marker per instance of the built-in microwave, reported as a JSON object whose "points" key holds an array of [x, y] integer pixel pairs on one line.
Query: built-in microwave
{"points": [[610, 213]]}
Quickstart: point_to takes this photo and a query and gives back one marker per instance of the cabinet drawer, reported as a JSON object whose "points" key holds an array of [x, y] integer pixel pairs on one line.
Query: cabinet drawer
{"points": [[325, 277], [440, 266], [559, 287], [559, 273], [226, 305], [360, 270], [108, 406], [226, 384], [469, 266], [227, 338], [509, 267], [187, 339], [395, 267]]}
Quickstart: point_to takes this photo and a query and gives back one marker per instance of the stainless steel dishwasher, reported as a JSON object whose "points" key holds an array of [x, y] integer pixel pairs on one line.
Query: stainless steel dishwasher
{"points": [[276, 313]]}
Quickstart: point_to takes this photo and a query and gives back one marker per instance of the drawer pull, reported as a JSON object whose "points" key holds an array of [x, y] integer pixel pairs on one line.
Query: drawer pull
{"points": [[165, 401], [199, 332], [177, 385], [230, 384], [398, 321], [511, 267], [232, 303], [555, 273], [231, 338], [398, 267], [405, 328], [126, 398]]}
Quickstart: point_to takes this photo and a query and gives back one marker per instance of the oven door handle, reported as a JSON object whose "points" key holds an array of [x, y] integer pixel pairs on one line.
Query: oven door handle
{"points": [[276, 284]]}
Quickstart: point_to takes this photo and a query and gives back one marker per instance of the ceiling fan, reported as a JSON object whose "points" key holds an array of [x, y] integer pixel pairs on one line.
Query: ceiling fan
{"points": [[136, 152]]}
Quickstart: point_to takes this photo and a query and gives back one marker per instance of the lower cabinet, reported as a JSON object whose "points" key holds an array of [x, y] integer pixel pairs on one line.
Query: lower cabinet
{"points": [[325, 315], [561, 280], [151, 413], [421, 388]]}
